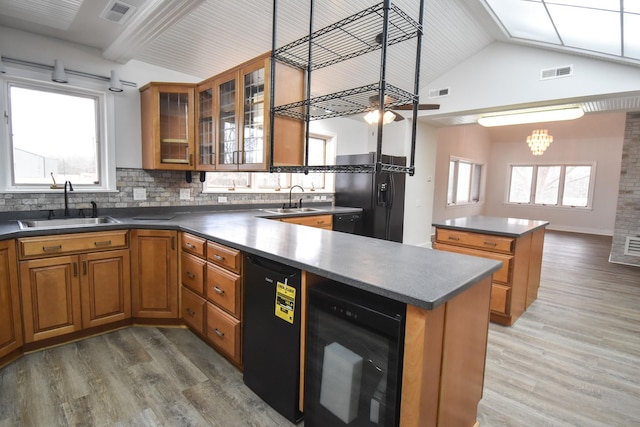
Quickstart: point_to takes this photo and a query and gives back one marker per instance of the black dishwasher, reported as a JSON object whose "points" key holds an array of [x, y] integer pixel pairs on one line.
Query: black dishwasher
{"points": [[348, 223], [271, 341]]}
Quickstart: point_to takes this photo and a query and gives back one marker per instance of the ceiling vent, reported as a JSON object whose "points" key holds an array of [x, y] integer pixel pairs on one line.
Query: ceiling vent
{"points": [[438, 93], [554, 73], [117, 11], [632, 246]]}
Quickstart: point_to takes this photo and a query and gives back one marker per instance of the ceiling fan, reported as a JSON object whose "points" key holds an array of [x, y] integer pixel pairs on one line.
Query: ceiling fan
{"points": [[389, 115]]}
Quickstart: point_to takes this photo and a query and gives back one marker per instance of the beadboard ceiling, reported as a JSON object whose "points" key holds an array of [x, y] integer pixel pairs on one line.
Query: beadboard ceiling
{"points": [[204, 37]]}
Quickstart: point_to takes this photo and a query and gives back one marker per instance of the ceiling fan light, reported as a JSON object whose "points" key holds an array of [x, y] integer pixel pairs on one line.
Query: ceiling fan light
{"points": [[516, 118], [372, 117]]}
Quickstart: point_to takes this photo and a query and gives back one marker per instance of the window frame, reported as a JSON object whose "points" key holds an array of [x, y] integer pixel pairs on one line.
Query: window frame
{"points": [[472, 181], [293, 179], [561, 185], [105, 117]]}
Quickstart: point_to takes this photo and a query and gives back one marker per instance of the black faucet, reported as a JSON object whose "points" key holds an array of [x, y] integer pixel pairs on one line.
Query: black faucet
{"points": [[290, 190], [66, 197], [94, 209]]}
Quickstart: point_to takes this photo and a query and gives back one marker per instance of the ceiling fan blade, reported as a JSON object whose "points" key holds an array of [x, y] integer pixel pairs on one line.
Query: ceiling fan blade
{"points": [[398, 118], [420, 107]]}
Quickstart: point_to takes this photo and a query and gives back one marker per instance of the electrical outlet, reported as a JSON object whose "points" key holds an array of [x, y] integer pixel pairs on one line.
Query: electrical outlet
{"points": [[139, 194], [185, 194], [323, 197], [316, 197], [222, 199]]}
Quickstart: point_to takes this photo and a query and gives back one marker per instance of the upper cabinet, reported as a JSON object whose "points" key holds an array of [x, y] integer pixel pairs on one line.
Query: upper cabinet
{"points": [[229, 128], [168, 134]]}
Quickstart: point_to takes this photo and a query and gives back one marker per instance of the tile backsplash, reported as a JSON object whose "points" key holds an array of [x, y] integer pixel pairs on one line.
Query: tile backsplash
{"points": [[162, 190]]}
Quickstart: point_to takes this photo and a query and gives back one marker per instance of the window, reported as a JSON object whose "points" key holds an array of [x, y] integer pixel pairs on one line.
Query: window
{"points": [[54, 134], [321, 152], [551, 185], [464, 182]]}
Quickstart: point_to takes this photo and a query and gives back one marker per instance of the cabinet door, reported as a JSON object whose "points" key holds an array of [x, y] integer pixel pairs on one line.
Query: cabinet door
{"points": [[205, 141], [50, 297], [154, 277], [253, 137], [10, 322], [105, 287], [168, 131], [226, 96]]}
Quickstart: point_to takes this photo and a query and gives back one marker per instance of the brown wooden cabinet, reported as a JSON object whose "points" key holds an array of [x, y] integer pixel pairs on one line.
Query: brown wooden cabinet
{"points": [[223, 122], [211, 293], [154, 276], [168, 126], [318, 221], [10, 319], [515, 285], [68, 285]]}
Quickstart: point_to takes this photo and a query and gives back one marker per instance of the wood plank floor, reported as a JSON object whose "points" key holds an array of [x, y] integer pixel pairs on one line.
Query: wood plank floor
{"points": [[573, 359]]}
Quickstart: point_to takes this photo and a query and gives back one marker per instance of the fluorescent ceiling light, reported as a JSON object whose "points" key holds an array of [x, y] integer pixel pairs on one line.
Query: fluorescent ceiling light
{"points": [[516, 118]]}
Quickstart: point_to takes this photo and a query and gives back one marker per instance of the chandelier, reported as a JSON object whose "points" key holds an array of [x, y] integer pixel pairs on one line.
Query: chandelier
{"points": [[539, 141]]}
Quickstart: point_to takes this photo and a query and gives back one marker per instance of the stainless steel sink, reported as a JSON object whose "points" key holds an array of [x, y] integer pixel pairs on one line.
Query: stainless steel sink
{"points": [[65, 222], [291, 210]]}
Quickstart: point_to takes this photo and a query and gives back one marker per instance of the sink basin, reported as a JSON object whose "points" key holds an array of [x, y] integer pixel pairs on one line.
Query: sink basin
{"points": [[291, 210], [65, 222]]}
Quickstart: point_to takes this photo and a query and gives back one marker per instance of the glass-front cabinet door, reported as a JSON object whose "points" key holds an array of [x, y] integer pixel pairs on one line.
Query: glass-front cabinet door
{"points": [[167, 126], [227, 121], [205, 142], [253, 118]]}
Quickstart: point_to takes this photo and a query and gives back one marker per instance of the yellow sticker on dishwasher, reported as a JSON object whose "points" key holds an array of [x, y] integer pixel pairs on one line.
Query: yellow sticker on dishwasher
{"points": [[285, 301]]}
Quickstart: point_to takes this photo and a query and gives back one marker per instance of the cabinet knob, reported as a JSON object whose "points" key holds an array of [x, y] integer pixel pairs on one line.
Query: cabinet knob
{"points": [[190, 275], [218, 290]]}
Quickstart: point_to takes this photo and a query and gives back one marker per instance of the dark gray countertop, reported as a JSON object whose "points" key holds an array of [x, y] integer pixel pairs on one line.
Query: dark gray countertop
{"points": [[500, 226], [418, 276]]}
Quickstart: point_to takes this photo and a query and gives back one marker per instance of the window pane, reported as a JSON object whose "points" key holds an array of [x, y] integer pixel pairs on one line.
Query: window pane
{"points": [[451, 184], [547, 184], [475, 186], [576, 186], [520, 188], [317, 156], [53, 133], [228, 180], [464, 182], [268, 180]]}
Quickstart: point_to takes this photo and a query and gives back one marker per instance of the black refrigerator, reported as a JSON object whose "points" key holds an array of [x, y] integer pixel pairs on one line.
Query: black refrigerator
{"points": [[380, 195]]}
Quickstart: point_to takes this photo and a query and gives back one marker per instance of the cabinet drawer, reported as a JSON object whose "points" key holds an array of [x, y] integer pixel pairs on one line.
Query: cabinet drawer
{"points": [[484, 242], [193, 244], [502, 275], [500, 298], [193, 272], [223, 289], [224, 256], [31, 247], [193, 310], [319, 221], [223, 331]]}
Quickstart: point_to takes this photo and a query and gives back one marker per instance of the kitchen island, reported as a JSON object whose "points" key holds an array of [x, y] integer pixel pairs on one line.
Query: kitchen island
{"points": [[516, 243], [447, 295]]}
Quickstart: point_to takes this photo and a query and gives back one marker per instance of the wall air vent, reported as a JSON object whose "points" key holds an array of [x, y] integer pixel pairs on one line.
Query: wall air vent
{"points": [[632, 246], [554, 73], [117, 11], [437, 93]]}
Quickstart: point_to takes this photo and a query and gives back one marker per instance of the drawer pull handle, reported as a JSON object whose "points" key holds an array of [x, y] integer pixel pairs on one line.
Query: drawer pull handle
{"points": [[320, 221], [219, 332], [492, 244], [218, 290], [190, 275], [218, 257], [84, 267], [51, 248], [189, 245], [191, 312], [103, 243], [454, 238]]}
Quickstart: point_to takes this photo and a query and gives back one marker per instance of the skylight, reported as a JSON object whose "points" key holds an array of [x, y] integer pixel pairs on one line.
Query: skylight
{"points": [[609, 27]]}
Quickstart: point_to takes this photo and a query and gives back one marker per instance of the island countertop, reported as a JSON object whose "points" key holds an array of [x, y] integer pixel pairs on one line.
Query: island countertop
{"points": [[500, 226], [418, 276]]}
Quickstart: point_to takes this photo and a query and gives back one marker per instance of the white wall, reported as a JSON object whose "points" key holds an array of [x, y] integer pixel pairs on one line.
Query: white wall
{"points": [[470, 142], [504, 74], [30, 47], [595, 138]]}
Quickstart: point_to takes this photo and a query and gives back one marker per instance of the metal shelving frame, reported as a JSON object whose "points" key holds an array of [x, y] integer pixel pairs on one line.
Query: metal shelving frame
{"points": [[374, 28]]}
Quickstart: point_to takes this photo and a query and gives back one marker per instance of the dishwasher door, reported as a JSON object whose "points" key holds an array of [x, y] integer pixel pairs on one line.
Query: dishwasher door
{"points": [[271, 340]]}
